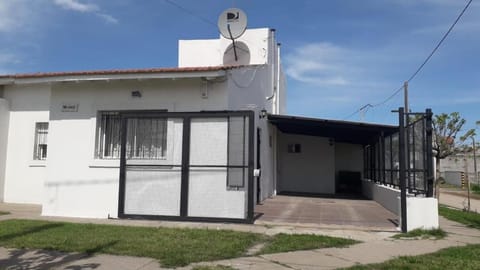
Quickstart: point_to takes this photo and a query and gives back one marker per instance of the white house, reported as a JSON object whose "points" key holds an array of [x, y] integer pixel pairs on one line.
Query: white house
{"points": [[203, 141], [188, 134]]}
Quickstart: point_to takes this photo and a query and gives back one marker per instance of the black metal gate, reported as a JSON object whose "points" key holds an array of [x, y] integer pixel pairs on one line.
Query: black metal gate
{"points": [[383, 156], [187, 166], [404, 159], [419, 157]]}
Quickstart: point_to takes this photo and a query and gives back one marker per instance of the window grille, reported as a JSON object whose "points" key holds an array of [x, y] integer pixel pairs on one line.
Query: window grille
{"points": [[40, 148], [146, 138], [108, 135]]}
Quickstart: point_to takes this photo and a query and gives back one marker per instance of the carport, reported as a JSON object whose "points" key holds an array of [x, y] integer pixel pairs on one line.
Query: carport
{"points": [[320, 156], [319, 172]]}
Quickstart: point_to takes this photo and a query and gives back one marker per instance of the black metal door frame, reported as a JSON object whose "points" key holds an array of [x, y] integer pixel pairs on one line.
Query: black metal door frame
{"points": [[186, 116], [259, 164]]}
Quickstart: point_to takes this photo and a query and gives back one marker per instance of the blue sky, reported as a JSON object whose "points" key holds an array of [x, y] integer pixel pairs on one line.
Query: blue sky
{"points": [[338, 55]]}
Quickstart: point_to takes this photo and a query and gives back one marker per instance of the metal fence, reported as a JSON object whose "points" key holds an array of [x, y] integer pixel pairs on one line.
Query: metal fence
{"points": [[382, 156]]}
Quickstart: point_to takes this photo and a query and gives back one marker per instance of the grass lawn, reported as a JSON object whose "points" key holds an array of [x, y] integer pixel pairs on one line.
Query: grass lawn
{"points": [[289, 242], [475, 188], [422, 234], [172, 246], [470, 219], [455, 258]]}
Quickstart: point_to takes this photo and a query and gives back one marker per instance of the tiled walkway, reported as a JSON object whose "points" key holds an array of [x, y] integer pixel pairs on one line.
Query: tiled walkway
{"points": [[350, 213]]}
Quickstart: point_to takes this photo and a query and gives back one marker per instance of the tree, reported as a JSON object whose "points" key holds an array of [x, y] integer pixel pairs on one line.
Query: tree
{"points": [[446, 127]]}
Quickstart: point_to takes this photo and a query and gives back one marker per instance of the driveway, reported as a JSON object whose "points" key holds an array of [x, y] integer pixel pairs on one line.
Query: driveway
{"points": [[326, 212]]}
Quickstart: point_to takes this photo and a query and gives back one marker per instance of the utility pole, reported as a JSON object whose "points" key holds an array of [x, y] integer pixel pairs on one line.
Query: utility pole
{"points": [[468, 178], [475, 160], [405, 98]]}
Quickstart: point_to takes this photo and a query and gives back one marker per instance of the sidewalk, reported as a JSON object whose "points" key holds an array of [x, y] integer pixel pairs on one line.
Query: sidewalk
{"points": [[378, 251], [379, 246]]}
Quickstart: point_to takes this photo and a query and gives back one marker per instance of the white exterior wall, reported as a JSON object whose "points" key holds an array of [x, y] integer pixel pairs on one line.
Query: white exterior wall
{"points": [[422, 213], [248, 88], [24, 178], [80, 186], [209, 52], [282, 102], [312, 170], [4, 117], [387, 197]]}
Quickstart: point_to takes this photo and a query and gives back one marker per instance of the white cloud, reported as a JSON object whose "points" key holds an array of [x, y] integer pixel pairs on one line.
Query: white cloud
{"points": [[331, 66], [14, 15], [108, 18], [318, 64], [78, 6]]}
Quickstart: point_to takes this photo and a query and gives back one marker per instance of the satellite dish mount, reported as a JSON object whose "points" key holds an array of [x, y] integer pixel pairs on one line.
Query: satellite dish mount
{"points": [[232, 23]]}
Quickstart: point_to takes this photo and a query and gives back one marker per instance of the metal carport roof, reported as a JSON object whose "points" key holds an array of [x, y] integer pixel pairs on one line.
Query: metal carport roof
{"points": [[341, 131]]}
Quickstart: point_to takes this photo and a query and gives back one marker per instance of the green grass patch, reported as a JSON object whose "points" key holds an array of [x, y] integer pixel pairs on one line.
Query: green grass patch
{"points": [[470, 219], [290, 242], [216, 267], [475, 188], [454, 258], [422, 234], [172, 246], [2, 213]]}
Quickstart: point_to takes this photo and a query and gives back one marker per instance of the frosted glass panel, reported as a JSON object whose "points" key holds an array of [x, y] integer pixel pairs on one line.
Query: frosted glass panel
{"points": [[208, 141], [150, 191], [208, 195]]}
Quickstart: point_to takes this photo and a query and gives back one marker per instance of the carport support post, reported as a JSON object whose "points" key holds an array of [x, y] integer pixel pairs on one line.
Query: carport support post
{"points": [[402, 174]]}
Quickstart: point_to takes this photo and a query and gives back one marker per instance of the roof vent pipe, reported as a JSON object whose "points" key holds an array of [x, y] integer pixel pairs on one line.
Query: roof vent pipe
{"points": [[272, 56]]}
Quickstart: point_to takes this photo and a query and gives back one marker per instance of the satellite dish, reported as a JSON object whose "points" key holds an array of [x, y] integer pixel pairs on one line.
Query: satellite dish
{"points": [[232, 23]]}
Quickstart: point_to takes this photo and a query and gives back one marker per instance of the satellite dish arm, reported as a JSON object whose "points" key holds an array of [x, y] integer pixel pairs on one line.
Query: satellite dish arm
{"points": [[233, 42]]}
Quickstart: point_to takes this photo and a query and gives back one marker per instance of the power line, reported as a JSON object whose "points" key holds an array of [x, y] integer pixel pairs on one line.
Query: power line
{"points": [[357, 111], [188, 11], [440, 42], [420, 67], [389, 97]]}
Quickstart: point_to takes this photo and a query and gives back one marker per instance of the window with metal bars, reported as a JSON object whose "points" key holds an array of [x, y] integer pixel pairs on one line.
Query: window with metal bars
{"points": [[40, 147], [146, 138]]}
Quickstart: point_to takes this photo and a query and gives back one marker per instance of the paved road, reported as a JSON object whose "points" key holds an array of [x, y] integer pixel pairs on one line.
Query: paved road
{"points": [[458, 199]]}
